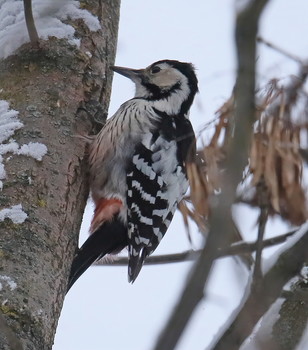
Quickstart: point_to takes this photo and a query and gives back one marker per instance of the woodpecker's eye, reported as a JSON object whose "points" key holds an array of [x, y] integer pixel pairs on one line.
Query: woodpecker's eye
{"points": [[155, 69]]}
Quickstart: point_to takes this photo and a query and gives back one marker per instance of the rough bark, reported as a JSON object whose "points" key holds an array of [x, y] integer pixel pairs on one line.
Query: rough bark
{"points": [[293, 316], [58, 90]]}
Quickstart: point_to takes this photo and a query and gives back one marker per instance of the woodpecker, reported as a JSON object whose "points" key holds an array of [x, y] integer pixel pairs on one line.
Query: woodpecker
{"points": [[137, 166]]}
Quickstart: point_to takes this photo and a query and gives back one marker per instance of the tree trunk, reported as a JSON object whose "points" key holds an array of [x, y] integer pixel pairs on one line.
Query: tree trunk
{"points": [[57, 89]]}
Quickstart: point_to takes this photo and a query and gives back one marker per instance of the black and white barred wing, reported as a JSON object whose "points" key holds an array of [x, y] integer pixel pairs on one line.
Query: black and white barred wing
{"points": [[151, 199]]}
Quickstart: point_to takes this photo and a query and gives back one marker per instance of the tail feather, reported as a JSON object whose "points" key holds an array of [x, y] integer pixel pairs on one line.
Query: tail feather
{"points": [[111, 237], [135, 264]]}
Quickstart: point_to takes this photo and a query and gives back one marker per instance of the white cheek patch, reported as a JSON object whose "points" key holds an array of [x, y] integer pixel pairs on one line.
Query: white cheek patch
{"points": [[172, 104], [167, 78]]}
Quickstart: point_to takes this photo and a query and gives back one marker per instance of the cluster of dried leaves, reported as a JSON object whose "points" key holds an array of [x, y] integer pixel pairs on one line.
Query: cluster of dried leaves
{"points": [[274, 173], [275, 157]]}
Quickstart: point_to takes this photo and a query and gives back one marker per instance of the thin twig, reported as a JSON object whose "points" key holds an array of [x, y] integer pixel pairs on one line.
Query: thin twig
{"points": [[34, 38], [191, 255], [279, 49]]}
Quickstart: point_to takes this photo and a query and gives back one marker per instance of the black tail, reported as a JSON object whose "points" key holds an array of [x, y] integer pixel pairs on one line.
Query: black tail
{"points": [[110, 237]]}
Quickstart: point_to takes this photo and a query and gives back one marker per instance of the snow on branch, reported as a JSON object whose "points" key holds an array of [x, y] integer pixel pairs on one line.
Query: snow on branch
{"points": [[49, 17], [259, 300]]}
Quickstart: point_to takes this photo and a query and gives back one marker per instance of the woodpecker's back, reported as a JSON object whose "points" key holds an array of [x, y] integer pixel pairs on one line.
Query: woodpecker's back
{"points": [[137, 166]]}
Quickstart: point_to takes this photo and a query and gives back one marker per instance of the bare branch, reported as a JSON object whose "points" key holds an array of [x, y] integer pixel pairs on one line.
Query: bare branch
{"points": [[279, 49], [11, 337], [262, 194], [288, 265], [244, 247], [191, 255], [34, 38]]}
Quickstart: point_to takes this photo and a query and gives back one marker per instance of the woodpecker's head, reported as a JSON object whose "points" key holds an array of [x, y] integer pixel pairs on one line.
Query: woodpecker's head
{"points": [[171, 82]]}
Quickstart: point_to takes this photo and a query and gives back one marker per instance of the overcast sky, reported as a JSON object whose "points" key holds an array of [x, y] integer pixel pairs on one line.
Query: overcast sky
{"points": [[103, 311]]}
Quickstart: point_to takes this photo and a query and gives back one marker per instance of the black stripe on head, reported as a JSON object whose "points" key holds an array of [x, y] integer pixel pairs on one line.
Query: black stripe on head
{"points": [[156, 92]]}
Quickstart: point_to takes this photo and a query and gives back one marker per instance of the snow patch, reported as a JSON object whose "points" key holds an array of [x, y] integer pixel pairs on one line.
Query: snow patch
{"points": [[267, 264], [11, 147], [48, 15], [263, 329], [71, 9], [8, 281], [302, 345], [35, 150], [9, 123], [2, 170], [14, 213], [304, 273]]}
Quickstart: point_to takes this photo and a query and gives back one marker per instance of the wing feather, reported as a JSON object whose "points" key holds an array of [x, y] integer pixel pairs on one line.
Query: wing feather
{"points": [[156, 182]]}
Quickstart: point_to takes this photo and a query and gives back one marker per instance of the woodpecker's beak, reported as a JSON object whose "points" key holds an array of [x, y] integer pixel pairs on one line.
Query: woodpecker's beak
{"points": [[133, 74]]}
